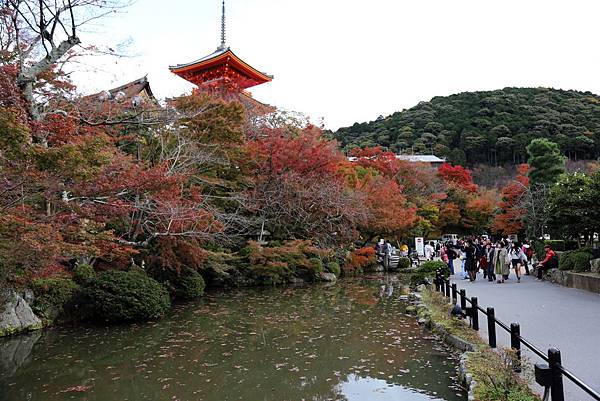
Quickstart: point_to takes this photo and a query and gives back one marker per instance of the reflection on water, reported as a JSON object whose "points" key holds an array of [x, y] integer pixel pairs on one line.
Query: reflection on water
{"points": [[360, 389], [350, 341]]}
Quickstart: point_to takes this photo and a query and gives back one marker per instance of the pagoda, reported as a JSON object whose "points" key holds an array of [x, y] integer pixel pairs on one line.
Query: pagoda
{"points": [[224, 74]]}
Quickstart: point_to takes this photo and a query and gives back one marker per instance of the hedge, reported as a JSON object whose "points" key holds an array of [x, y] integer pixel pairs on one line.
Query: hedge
{"points": [[53, 296], [404, 263], [578, 261], [83, 273], [123, 296], [428, 270]]}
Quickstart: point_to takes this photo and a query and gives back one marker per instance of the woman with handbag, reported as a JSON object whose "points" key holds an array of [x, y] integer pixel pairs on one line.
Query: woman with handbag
{"points": [[500, 266]]}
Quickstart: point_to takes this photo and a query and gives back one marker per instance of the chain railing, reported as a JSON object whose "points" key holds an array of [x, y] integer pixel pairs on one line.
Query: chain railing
{"points": [[549, 375]]}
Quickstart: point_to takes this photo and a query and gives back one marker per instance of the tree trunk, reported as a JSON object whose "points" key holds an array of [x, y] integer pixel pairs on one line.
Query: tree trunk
{"points": [[29, 75]]}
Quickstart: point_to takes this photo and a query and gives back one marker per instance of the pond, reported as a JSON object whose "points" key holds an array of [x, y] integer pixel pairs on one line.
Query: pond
{"points": [[349, 341]]}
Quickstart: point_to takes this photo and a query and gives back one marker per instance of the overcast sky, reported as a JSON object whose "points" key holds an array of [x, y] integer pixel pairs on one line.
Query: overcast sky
{"points": [[353, 60]]}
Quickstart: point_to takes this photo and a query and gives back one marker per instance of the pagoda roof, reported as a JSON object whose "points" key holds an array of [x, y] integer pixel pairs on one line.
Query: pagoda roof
{"points": [[221, 56]]}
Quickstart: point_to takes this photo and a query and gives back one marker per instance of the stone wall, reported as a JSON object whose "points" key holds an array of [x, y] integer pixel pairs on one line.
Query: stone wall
{"points": [[582, 281]]}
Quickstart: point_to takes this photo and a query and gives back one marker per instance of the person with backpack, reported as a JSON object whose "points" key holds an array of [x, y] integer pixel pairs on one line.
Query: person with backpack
{"points": [[550, 262], [481, 261]]}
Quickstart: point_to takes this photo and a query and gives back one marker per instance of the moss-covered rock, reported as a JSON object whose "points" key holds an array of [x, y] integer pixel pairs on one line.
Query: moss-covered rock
{"points": [[16, 315]]}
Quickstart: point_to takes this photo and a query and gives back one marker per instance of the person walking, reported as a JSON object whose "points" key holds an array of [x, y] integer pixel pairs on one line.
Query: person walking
{"points": [[516, 257], [451, 254], [444, 255], [489, 256], [461, 256], [500, 267], [429, 251], [528, 251], [480, 260], [471, 260]]}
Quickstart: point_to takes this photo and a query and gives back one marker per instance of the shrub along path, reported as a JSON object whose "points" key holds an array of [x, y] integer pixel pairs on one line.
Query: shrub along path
{"points": [[550, 316]]}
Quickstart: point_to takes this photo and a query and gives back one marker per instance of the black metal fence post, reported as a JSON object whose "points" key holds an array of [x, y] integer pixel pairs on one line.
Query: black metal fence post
{"points": [[437, 280], [515, 344], [491, 321], [556, 390], [441, 284], [463, 300], [454, 293], [475, 313], [447, 285]]}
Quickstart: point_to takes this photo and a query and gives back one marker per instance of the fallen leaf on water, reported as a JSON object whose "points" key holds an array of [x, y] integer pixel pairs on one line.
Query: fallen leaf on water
{"points": [[76, 389]]}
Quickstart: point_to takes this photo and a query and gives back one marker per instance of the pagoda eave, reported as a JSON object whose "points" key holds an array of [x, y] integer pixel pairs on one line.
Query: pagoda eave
{"points": [[227, 63]]}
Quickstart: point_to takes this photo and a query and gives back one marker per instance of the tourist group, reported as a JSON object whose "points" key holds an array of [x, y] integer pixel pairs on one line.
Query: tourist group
{"points": [[495, 259]]}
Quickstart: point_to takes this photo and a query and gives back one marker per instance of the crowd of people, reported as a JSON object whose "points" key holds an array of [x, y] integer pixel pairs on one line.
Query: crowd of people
{"points": [[496, 259]]}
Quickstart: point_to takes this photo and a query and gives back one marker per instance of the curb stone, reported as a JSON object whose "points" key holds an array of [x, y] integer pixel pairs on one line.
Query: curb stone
{"points": [[466, 378]]}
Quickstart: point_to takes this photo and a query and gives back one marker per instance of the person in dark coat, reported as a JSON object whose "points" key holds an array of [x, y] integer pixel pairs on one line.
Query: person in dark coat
{"points": [[489, 255], [471, 260]]}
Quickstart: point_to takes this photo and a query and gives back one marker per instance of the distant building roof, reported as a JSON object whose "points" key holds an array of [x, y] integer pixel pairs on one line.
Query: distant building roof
{"points": [[412, 158], [134, 88], [420, 158], [136, 91]]}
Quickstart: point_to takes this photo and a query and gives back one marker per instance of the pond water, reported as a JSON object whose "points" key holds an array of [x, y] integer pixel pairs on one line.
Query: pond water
{"points": [[351, 341]]}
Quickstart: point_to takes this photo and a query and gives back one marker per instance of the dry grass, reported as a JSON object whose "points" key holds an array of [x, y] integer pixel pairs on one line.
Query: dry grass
{"points": [[491, 369]]}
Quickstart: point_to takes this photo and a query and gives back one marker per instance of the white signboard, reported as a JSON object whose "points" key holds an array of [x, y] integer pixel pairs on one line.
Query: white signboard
{"points": [[420, 246]]}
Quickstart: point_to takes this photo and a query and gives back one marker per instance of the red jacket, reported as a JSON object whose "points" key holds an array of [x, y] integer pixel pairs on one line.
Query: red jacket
{"points": [[549, 254]]}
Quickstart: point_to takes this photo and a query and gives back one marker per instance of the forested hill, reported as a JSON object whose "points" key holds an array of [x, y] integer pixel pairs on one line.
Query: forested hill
{"points": [[492, 127]]}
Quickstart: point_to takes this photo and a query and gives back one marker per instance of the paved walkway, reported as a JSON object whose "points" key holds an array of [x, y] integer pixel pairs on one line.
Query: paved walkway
{"points": [[550, 316]]}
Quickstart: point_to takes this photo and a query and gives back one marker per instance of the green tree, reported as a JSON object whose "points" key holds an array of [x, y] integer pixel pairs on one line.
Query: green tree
{"points": [[571, 206], [593, 193], [545, 161]]}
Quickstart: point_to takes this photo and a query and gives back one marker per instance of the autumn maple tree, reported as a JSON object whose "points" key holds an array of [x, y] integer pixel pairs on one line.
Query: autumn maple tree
{"points": [[512, 213]]}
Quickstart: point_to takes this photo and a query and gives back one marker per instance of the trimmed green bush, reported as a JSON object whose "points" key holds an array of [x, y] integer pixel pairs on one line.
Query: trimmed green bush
{"points": [[578, 261], [428, 270], [190, 284], [581, 261], [316, 266], [271, 273], [185, 284], [53, 296], [83, 273], [123, 296], [432, 266], [403, 263], [334, 268], [565, 262]]}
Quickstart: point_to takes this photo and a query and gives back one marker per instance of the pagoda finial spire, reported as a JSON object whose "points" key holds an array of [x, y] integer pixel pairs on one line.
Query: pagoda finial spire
{"points": [[223, 44]]}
